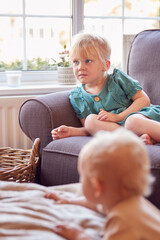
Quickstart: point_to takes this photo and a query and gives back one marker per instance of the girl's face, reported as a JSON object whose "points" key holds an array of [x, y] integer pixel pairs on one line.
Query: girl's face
{"points": [[88, 69]]}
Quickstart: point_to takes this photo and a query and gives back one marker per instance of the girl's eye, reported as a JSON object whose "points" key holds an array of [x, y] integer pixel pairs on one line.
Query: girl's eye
{"points": [[88, 60], [75, 62]]}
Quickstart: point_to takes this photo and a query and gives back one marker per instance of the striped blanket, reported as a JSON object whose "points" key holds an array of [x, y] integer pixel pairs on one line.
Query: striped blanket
{"points": [[25, 214]]}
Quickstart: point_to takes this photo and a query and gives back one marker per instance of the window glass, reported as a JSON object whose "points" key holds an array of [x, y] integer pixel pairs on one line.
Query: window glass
{"points": [[11, 6], [112, 30], [102, 8], [134, 26], [33, 41], [142, 8], [46, 38], [11, 42], [48, 7]]}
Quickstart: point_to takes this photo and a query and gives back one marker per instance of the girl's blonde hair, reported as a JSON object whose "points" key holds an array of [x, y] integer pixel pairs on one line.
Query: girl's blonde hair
{"points": [[89, 44]]}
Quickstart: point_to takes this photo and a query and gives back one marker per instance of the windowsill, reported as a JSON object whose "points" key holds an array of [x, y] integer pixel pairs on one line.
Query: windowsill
{"points": [[33, 89], [33, 83]]}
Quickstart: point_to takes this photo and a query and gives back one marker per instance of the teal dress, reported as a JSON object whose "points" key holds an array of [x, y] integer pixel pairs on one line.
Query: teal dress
{"points": [[115, 97]]}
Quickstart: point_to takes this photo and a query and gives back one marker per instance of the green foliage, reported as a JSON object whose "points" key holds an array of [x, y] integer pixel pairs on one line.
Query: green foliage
{"points": [[34, 64], [17, 65], [64, 63], [64, 56], [39, 64]]}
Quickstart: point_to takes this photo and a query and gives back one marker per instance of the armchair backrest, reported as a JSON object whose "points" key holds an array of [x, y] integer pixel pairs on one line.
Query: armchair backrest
{"points": [[144, 62]]}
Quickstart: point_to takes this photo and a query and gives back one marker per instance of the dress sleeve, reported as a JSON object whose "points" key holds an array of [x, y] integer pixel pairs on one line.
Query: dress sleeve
{"points": [[129, 85], [79, 104]]}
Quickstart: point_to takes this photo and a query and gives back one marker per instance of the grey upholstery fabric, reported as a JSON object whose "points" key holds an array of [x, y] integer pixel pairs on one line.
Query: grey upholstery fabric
{"points": [[144, 62], [39, 116], [61, 170], [144, 65]]}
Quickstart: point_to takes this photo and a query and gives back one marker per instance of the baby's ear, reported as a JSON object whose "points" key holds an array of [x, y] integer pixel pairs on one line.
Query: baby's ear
{"points": [[97, 185]]}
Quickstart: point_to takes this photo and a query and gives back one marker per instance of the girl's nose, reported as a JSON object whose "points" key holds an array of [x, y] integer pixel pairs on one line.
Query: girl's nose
{"points": [[82, 65]]}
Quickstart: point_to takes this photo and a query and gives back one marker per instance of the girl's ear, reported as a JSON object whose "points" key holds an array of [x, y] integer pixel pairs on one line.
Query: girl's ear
{"points": [[97, 185], [108, 64]]}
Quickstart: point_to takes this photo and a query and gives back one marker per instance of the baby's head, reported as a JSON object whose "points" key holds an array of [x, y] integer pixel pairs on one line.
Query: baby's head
{"points": [[118, 158], [86, 45]]}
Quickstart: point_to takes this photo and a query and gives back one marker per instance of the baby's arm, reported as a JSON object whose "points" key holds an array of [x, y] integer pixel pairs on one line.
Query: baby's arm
{"points": [[67, 131], [82, 201], [71, 232]]}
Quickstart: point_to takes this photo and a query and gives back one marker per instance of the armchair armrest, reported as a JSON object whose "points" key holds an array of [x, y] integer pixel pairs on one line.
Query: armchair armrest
{"points": [[38, 116]]}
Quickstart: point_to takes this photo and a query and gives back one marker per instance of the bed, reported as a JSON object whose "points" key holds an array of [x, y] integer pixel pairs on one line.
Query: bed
{"points": [[26, 214]]}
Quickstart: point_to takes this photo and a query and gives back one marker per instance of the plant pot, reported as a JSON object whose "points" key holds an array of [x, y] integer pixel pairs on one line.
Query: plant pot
{"points": [[66, 76]]}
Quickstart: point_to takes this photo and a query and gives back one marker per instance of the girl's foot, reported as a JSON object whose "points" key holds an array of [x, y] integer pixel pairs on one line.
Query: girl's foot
{"points": [[61, 132], [147, 139]]}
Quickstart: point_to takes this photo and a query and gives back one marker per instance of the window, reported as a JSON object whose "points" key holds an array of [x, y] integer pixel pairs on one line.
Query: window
{"points": [[116, 19], [32, 32]]}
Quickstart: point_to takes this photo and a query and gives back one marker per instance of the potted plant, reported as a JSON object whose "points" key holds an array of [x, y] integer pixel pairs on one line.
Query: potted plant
{"points": [[65, 70]]}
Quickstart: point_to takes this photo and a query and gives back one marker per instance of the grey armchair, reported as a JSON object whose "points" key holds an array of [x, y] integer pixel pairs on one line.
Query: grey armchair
{"points": [[40, 115]]}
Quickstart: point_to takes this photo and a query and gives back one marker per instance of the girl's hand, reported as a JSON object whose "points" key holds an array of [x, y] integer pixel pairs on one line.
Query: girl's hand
{"points": [[61, 132], [108, 116]]}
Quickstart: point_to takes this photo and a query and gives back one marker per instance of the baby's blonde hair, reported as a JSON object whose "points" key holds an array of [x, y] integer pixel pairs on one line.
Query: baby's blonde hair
{"points": [[89, 44], [122, 154]]}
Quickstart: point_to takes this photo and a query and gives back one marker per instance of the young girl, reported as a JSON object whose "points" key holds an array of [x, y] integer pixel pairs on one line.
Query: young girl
{"points": [[107, 101], [121, 195]]}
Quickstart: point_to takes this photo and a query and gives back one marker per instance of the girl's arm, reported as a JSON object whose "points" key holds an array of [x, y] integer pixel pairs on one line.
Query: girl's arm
{"points": [[140, 100]]}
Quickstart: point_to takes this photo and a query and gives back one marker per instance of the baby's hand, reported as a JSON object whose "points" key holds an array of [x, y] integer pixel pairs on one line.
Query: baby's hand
{"points": [[56, 198], [61, 132], [71, 231]]}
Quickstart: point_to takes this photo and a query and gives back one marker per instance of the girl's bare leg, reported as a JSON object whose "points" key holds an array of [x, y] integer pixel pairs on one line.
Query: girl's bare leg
{"points": [[66, 131], [147, 129], [93, 125]]}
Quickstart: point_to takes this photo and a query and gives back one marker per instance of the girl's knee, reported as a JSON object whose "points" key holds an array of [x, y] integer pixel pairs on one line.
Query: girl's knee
{"points": [[90, 122], [133, 122]]}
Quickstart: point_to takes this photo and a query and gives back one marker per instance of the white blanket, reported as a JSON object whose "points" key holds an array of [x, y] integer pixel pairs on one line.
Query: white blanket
{"points": [[26, 215]]}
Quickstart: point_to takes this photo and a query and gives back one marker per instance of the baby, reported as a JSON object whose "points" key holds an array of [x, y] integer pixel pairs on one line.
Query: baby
{"points": [[115, 174]]}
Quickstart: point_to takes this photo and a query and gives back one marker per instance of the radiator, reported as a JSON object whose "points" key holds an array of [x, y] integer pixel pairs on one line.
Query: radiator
{"points": [[11, 134]]}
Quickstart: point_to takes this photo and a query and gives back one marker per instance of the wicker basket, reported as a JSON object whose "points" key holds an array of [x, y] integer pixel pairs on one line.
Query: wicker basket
{"points": [[19, 165]]}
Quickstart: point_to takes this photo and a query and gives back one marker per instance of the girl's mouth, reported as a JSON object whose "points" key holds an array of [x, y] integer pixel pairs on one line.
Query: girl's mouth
{"points": [[82, 75]]}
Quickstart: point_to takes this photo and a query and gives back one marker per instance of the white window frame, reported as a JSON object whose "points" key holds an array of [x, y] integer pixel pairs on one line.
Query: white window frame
{"points": [[49, 78], [44, 77]]}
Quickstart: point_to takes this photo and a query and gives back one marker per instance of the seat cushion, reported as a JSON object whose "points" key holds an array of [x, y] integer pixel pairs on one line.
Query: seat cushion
{"points": [[59, 160], [59, 163]]}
